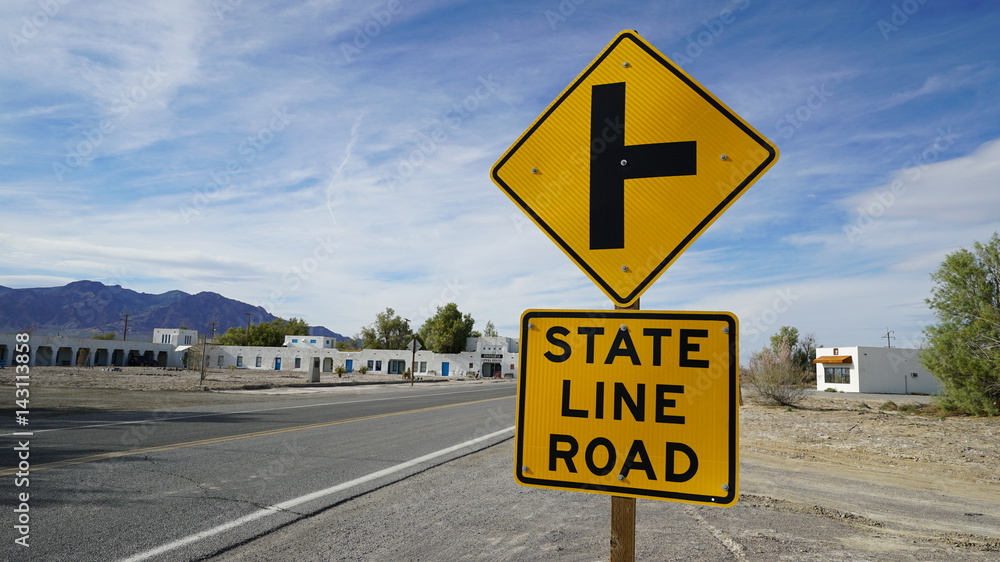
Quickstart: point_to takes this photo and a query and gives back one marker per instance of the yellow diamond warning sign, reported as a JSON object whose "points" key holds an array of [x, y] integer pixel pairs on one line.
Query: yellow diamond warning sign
{"points": [[629, 165], [629, 403]]}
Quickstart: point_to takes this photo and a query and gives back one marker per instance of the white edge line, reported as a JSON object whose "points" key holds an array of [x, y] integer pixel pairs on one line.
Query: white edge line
{"points": [[286, 505]]}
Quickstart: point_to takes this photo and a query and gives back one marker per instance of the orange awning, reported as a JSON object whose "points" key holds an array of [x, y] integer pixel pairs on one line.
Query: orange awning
{"points": [[833, 359]]}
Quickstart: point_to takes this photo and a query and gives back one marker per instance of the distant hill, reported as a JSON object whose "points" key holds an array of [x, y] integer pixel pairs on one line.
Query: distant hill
{"points": [[83, 308]]}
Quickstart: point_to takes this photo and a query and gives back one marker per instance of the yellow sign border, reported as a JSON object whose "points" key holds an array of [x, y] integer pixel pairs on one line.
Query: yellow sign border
{"points": [[725, 498]]}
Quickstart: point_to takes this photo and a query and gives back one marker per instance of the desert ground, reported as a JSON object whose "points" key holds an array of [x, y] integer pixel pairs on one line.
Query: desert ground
{"points": [[889, 442]]}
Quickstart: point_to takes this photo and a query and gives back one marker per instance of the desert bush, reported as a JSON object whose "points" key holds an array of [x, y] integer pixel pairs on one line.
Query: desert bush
{"points": [[340, 370], [363, 370], [775, 377], [888, 405]]}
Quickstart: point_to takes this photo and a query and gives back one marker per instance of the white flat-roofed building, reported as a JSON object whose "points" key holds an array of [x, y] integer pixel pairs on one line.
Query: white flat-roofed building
{"points": [[175, 336], [876, 370]]}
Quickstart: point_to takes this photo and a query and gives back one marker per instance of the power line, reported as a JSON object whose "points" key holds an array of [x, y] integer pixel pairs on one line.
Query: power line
{"points": [[888, 336], [125, 331]]}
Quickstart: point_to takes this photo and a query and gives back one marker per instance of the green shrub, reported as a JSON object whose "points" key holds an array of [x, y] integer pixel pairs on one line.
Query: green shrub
{"points": [[890, 405]]}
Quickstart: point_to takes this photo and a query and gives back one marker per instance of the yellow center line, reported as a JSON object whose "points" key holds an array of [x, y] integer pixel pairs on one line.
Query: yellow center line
{"points": [[214, 440]]}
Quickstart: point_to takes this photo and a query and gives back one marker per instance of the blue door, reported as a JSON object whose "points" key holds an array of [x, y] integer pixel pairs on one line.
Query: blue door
{"points": [[277, 363], [349, 364], [444, 369]]}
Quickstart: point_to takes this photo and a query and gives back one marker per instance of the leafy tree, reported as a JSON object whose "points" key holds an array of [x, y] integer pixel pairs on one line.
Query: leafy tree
{"points": [[265, 334], [775, 376], [348, 344], [490, 331], [447, 330], [389, 331], [802, 349], [104, 336], [963, 347]]}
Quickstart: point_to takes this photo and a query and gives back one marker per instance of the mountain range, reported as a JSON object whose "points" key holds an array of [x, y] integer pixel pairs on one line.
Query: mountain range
{"points": [[84, 308]]}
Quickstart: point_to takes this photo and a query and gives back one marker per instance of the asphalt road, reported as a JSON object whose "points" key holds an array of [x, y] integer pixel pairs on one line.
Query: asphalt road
{"points": [[187, 483]]}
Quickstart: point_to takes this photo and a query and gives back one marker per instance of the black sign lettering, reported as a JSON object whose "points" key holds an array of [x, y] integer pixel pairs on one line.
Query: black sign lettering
{"points": [[567, 455], [622, 337], [568, 412], [688, 347], [550, 335], [590, 333]]}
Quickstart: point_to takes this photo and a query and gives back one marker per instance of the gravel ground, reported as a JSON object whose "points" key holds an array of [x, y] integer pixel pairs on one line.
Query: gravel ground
{"points": [[838, 479], [61, 391]]}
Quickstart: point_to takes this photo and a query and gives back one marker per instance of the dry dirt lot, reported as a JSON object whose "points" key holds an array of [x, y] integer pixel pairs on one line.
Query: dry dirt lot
{"points": [[62, 390], [809, 462]]}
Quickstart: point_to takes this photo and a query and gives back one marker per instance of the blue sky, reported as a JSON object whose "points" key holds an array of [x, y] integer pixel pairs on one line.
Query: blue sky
{"points": [[327, 160]]}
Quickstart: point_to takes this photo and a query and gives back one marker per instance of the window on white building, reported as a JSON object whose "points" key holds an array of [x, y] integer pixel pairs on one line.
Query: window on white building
{"points": [[260, 361], [837, 375], [221, 359], [298, 362], [239, 360]]}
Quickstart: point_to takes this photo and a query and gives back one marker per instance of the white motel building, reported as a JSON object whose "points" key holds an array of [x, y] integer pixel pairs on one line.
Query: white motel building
{"points": [[484, 356], [875, 370]]}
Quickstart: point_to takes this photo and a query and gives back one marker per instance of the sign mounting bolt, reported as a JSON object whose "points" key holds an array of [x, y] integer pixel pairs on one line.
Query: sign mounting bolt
{"points": [[535, 170], [626, 64], [725, 487], [531, 326], [623, 328], [624, 162], [624, 268], [524, 469], [724, 157], [725, 330], [621, 477]]}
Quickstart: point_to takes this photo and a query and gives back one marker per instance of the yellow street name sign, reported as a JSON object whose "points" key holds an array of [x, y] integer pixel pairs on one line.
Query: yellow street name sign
{"points": [[630, 403]]}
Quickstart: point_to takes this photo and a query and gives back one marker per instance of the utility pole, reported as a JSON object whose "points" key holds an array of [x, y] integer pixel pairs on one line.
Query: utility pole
{"points": [[888, 336], [125, 331], [204, 351], [249, 316]]}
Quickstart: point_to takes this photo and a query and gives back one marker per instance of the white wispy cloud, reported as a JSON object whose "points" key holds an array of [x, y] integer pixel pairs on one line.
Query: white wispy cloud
{"points": [[330, 159]]}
